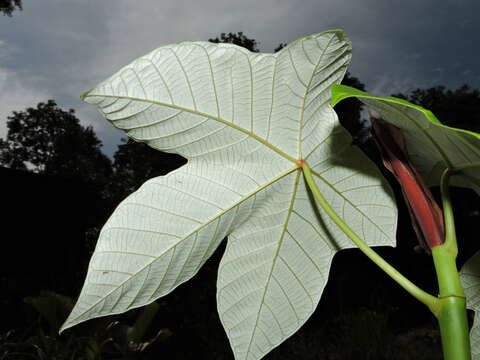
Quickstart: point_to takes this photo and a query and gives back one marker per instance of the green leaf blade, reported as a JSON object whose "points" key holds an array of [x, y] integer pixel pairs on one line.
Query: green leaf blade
{"points": [[432, 146]]}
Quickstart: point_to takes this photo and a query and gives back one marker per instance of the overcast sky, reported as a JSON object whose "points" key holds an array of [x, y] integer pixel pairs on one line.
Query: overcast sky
{"points": [[57, 49]]}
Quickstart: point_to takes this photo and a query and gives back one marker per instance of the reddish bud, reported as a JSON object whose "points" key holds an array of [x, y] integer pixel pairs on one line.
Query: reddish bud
{"points": [[426, 215]]}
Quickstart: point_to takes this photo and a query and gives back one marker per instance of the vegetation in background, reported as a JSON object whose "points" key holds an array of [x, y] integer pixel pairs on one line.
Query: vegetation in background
{"points": [[50, 140], [8, 6]]}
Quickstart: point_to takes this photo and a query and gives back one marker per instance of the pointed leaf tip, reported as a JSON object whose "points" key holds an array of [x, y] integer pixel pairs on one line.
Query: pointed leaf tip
{"points": [[84, 95], [341, 92]]}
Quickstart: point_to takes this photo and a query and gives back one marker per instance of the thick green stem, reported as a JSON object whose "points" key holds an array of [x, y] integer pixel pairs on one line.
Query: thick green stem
{"points": [[450, 235], [427, 299], [452, 315]]}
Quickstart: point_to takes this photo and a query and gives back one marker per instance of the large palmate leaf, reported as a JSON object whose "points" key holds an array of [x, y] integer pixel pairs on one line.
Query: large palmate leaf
{"points": [[432, 146], [242, 120], [470, 276]]}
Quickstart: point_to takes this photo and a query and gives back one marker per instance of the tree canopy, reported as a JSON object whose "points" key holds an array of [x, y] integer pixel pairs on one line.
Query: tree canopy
{"points": [[239, 39], [349, 110], [49, 140], [134, 163], [8, 6]]}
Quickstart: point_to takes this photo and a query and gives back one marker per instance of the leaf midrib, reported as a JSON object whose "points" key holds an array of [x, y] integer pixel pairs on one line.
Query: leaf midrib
{"points": [[388, 104], [202, 114], [307, 89], [454, 133], [74, 321], [275, 258]]}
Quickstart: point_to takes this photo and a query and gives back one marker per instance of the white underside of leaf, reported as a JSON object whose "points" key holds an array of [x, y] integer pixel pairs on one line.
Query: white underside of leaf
{"points": [[153, 242], [242, 120], [276, 265], [470, 277]]}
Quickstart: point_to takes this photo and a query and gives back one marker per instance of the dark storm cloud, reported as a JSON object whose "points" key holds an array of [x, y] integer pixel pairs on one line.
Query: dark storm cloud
{"points": [[43, 48], [404, 45], [50, 38], [59, 48], [397, 46]]}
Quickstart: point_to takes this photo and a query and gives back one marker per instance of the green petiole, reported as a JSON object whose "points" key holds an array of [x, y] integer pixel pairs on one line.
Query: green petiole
{"points": [[430, 301]]}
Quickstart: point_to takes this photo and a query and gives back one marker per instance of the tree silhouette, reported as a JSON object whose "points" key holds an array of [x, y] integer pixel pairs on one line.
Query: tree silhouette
{"points": [[280, 47], [349, 112], [49, 140], [8, 6], [238, 39], [134, 163], [456, 108]]}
